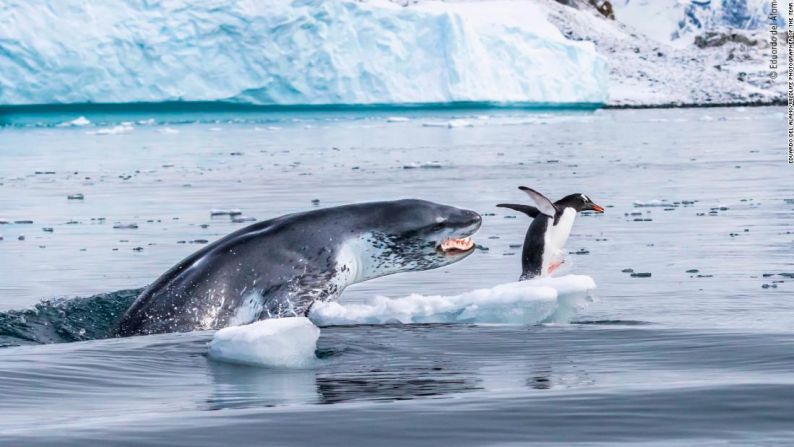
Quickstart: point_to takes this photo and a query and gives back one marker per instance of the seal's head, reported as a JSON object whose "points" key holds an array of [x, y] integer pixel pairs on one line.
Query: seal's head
{"points": [[411, 235]]}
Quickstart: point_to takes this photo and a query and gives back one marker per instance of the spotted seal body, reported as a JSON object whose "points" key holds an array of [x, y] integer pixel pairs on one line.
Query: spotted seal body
{"points": [[280, 267]]}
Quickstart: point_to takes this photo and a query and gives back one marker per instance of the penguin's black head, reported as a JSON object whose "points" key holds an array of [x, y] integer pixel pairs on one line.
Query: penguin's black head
{"points": [[579, 202]]}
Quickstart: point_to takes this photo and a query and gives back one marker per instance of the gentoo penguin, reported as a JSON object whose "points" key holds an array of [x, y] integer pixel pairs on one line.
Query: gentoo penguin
{"points": [[549, 231]]}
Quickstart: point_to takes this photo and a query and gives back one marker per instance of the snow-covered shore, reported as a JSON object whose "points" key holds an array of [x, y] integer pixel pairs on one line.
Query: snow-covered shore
{"points": [[654, 60]]}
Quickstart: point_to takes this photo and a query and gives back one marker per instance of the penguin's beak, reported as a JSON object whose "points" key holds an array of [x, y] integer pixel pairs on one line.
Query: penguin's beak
{"points": [[597, 208]]}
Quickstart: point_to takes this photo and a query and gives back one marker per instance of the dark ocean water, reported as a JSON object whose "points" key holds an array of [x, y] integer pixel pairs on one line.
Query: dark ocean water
{"points": [[683, 357], [411, 385]]}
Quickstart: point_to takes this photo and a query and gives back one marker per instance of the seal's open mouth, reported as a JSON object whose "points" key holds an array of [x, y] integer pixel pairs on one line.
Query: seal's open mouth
{"points": [[456, 246]]}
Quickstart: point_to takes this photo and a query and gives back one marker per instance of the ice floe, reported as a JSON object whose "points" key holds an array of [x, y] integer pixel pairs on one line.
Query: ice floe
{"points": [[555, 299]]}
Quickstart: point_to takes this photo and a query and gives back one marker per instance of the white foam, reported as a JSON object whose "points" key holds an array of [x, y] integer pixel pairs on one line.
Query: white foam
{"points": [[281, 342], [555, 299], [397, 119]]}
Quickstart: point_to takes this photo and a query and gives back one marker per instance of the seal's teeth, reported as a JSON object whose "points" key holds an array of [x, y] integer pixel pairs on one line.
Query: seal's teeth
{"points": [[462, 244]]}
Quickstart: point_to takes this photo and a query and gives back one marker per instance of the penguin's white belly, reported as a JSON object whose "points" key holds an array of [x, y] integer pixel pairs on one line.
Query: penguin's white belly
{"points": [[554, 241]]}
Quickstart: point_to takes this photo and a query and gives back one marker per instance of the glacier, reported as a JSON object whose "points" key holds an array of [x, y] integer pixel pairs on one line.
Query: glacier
{"points": [[304, 52]]}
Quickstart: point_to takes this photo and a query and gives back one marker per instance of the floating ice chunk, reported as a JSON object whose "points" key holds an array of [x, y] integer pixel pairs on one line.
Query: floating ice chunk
{"points": [[282, 342], [397, 119], [524, 122], [77, 122], [121, 226], [459, 123], [527, 302], [652, 203], [426, 165], [225, 212], [451, 124], [434, 124], [116, 130]]}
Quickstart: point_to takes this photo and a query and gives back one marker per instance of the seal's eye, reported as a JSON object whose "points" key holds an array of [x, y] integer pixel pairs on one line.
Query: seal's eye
{"points": [[439, 225]]}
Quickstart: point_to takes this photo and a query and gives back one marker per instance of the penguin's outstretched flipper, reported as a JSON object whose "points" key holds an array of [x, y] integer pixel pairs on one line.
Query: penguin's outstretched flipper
{"points": [[545, 205], [530, 211]]}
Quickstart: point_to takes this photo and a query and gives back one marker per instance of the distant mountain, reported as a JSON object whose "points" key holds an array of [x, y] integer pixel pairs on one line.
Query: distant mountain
{"points": [[678, 21]]}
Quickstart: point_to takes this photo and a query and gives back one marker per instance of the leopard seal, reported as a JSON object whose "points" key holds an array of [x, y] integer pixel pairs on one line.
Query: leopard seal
{"points": [[280, 267]]}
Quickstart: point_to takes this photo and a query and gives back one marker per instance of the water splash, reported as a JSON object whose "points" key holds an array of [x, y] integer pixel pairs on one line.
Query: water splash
{"points": [[65, 320]]}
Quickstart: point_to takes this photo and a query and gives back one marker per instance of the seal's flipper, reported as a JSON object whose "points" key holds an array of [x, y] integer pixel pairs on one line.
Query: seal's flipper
{"points": [[530, 211], [545, 205]]}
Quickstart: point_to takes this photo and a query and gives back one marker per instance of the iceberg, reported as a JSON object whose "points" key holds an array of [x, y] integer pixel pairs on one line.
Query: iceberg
{"points": [[303, 52], [77, 122]]}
